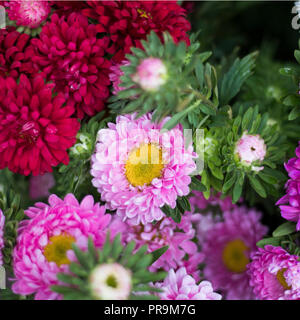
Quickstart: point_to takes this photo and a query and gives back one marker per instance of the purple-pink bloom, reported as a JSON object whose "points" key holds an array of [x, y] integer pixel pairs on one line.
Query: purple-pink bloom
{"points": [[198, 202], [289, 204], [2, 222], [44, 242], [227, 247], [138, 168], [30, 13], [275, 274], [180, 285], [116, 74], [40, 185], [178, 237]]}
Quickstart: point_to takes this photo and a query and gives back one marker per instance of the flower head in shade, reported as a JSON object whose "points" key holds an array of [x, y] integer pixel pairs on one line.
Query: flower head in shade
{"points": [[110, 282], [29, 13], [45, 240], [150, 74], [275, 274], [129, 22], [178, 237], [250, 149], [36, 129], [227, 248], [180, 285], [138, 168], [14, 55], [198, 202], [289, 204], [2, 222], [69, 54], [39, 186], [116, 74]]}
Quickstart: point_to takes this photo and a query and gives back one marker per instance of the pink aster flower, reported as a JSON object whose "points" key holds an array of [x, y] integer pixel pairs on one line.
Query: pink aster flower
{"points": [[28, 13], [292, 198], [2, 221], [275, 274], [178, 237], [116, 74], [251, 148], [44, 243], [227, 248], [151, 74], [138, 168], [39, 186], [180, 285]]}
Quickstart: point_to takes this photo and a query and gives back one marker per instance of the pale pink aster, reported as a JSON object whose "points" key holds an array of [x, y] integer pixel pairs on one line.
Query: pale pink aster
{"points": [[116, 74], [40, 185], [2, 222], [227, 248], [138, 190], [180, 285], [28, 13], [275, 274], [99, 282], [151, 74], [44, 242], [178, 237], [251, 148]]}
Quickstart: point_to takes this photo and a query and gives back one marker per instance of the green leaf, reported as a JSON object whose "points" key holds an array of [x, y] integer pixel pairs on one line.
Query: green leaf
{"points": [[294, 114], [197, 185], [284, 229], [233, 80], [257, 186], [158, 253], [268, 241]]}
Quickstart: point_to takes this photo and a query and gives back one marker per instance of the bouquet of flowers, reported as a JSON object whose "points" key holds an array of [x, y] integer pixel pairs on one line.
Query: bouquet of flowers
{"points": [[142, 158]]}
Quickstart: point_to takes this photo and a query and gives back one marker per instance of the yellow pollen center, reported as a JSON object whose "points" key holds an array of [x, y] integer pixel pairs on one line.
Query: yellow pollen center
{"points": [[143, 14], [234, 256], [280, 277], [56, 249], [144, 164]]}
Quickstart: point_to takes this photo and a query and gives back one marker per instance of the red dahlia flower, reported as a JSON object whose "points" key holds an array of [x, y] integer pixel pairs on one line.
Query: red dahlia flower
{"points": [[70, 55], [35, 129], [14, 54], [128, 22]]}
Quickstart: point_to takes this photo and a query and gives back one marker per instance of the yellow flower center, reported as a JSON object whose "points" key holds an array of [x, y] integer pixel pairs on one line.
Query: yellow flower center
{"points": [[280, 277], [144, 164], [234, 256], [143, 14], [56, 249]]}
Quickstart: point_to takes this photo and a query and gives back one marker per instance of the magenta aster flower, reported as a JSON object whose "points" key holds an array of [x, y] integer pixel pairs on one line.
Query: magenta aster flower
{"points": [[39, 186], [182, 250], [275, 274], [2, 221], [180, 285], [292, 198], [69, 54], [28, 13], [138, 169], [227, 248], [249, 149], [150, 74], [198, 202], [116, 74], [44, 243]]}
